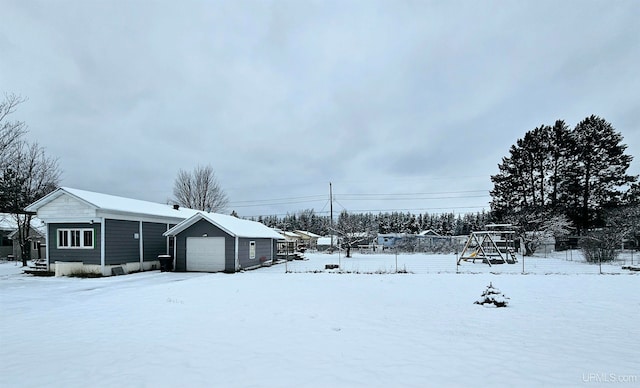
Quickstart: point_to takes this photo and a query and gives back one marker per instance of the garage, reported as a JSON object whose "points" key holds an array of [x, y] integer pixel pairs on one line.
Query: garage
{"points": [[211, 242], [205, 254]]}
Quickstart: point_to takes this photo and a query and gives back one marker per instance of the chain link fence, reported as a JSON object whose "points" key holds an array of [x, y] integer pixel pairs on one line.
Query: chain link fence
{"points": [[563, 262]]}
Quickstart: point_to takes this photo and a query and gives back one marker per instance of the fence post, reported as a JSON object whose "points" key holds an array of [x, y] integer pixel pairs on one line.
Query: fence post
{"points": [[457, 264], [396, 260], [600, 263]]}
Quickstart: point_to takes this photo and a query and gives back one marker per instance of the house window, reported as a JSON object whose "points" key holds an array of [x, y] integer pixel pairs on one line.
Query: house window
{"points": [[252, 249], [75, 238]]}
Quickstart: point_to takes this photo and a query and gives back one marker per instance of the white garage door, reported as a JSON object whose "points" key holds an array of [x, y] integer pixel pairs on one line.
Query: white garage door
{"points": [[205, 254]]}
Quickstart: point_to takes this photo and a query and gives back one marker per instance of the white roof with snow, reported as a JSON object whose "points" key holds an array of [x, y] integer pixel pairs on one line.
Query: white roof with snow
{"points": [[112, 203], [307, 234], [326, 240], [232, 225]]}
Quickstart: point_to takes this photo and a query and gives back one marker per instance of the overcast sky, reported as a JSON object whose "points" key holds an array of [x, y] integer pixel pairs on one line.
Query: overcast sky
{"points": [[403, 105]]}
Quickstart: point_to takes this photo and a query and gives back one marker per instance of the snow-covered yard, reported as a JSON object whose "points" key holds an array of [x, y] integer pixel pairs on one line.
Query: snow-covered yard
{"points": [[268, 328]]}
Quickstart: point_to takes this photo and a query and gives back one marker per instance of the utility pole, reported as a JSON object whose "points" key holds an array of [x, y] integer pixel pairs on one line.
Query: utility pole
{"points": [[331, 212]]}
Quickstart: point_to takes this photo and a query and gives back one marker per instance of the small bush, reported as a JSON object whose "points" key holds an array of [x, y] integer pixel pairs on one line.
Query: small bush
{"points": [[492, 297], [599, 246]]}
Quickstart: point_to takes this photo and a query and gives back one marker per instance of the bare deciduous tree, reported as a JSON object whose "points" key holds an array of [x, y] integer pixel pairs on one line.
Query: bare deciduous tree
{"points": [[36, 176], [199, 190], [10, 131], [26, 173]]}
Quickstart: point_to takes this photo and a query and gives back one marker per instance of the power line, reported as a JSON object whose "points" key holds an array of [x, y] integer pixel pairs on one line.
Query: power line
{"points": [[429, 193], [354, 197], [410, 198], [368, 197], [274, 203], [415, 209], [317, 197]]}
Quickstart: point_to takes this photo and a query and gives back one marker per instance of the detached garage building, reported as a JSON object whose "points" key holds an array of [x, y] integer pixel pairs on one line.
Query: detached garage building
{"points": [[211, 242]]}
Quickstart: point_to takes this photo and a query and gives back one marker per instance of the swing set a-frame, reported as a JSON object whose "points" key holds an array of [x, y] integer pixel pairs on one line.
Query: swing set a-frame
{"points": [[490, 247]]}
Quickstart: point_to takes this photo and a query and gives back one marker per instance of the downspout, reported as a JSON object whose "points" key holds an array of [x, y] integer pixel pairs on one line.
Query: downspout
{"points": [[46, 247], [141, 237], [237, 259], [175, 252], [166, 249], [103, 227], [174, 247]]}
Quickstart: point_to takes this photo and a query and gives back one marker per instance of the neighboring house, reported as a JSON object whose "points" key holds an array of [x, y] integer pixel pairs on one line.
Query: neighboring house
{"points": [[36, 240], [427, 241], [9, 244], [431, 241], [289, 242], [308, 239], [94, 232], [390, 240], [325, 243], [7, 226], [429, 232], [210, 242]]}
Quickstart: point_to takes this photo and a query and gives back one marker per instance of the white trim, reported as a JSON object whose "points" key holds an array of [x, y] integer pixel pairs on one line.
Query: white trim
{"points": [[237, 259], [81, 238], [46, 251], [116, 215], [141, 244], [175, 252], [166, 248], [252, 252], [103, 260]]}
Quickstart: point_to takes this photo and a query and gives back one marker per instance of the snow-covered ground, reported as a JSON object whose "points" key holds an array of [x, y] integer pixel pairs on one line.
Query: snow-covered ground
{"points": [[274, 329]]}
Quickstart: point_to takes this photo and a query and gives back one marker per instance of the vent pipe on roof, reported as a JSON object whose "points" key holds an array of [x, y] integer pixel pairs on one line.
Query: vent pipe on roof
{"points": [[176, 207]]}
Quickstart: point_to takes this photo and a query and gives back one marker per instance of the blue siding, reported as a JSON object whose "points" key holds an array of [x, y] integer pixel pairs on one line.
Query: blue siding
{"points": [[120, 244], [263, 249], [87, 256], [154, 242]]}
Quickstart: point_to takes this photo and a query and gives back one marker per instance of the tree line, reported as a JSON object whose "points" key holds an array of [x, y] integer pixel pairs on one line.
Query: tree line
{"points": [[446, 224]]}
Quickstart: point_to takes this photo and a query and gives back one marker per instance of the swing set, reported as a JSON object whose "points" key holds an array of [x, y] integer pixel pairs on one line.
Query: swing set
{"points": [[490, 246]]}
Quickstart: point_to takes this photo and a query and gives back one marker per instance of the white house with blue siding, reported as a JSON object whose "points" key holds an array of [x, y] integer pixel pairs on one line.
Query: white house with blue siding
{"points": [[95, 232]]}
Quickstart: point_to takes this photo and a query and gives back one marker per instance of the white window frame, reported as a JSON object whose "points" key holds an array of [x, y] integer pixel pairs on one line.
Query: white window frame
{"points": [[252, 250], [82, 243]]}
